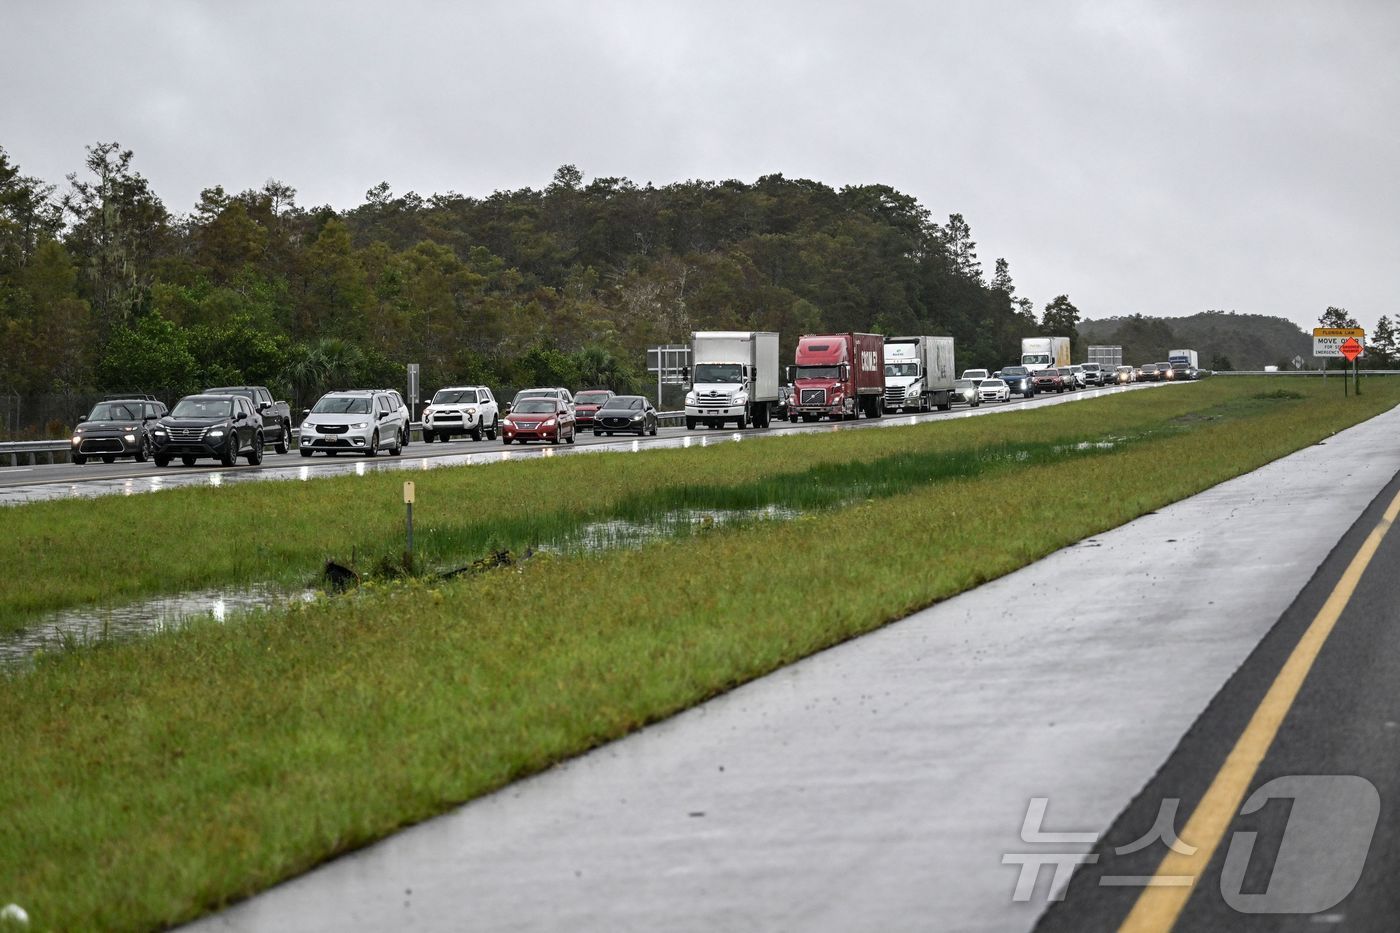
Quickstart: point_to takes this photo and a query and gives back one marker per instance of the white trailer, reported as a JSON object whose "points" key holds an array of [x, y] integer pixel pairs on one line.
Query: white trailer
{"points": [[1044, 352], [733, 377], [1108, 358], [919, 373], [1189, 357]]}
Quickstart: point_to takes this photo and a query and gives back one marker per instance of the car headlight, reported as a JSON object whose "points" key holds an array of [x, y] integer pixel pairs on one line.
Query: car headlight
{"points": [[160, 432], [548, 424], [637, 417], [470, 413], [130, 438], [216, 432], [359, 425], [77, 439]]}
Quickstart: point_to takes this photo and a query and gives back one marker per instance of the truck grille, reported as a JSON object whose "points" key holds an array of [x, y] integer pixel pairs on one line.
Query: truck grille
{"points": [[186, 434], [713, 399], [894, 397], [813, 397]]}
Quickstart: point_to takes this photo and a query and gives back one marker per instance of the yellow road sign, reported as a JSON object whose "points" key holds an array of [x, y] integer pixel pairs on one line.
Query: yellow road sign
{"points": [[1358, 332]]}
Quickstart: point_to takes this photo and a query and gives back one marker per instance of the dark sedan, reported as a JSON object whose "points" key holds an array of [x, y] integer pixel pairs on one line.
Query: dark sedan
{"points": [[223, 427], [117, 428], [626, 413], [1049, 380]]}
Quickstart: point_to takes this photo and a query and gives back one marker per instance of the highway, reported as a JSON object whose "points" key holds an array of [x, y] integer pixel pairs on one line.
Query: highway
{"points": [[41, 482]]}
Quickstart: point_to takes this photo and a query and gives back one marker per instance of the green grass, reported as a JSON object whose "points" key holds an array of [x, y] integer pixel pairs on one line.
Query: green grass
{"points": [[148, 781]]}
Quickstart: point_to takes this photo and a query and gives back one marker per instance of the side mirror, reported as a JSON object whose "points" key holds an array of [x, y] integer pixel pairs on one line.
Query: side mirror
{"points": [[383, 415], [263, 406], [305, 412], [240, 416], [685, 373], [788, 373]]}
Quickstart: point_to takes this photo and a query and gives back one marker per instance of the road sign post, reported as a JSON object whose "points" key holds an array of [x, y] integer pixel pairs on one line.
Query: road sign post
{"points": [[1351, 349]]}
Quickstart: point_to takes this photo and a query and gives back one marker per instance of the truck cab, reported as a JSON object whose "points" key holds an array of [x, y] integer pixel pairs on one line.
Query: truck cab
{"points": [[838, 375], [734, 377]]}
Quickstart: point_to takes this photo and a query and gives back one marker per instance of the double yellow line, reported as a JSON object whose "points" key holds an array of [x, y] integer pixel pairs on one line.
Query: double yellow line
{"points": [[1161, 903]]}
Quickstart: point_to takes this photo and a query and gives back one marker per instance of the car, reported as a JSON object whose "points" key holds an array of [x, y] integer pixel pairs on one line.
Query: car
{"points": [[1076, 372], [993, 390], [1165, 372], [976, 375], [626, 413], [965, 391], [588, 402], [1148, 373], [468, 410], [539, 418], [363, 421], [276, 416], [221, 427], [1020, 379], [564, 396], [1067, 374], [405, 415], [1123, 375], [1094, 374], [1049, 380], [119, 427]]}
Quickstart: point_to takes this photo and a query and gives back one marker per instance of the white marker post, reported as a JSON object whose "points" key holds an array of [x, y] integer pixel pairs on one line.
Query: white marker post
{"points": [[408, 495]]}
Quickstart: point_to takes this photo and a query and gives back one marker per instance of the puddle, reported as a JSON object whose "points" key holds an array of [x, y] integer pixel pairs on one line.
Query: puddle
{"points": [[89, 626], [625, 533]]}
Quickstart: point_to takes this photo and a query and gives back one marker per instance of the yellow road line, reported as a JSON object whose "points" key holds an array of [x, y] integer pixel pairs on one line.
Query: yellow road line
{"points": [[1159, 906]]}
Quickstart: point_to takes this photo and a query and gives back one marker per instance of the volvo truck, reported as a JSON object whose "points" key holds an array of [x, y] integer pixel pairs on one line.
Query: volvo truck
{"points": [[838, 376], [918, 373], [733, 377]]}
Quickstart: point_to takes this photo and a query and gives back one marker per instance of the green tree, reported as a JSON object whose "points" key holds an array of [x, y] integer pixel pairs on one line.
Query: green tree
{"points": [[149, 355], [1384, 344], [1337, 317], [1061, 319]]}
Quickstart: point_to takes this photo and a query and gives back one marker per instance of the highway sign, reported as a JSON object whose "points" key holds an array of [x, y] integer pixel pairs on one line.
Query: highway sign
{"points": [[1297, 362], [1358, 332], [1327, 341], [1351, 348]]}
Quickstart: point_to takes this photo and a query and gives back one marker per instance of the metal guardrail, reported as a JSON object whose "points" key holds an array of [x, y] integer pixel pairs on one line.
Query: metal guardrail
{"points": [[31, 453]]}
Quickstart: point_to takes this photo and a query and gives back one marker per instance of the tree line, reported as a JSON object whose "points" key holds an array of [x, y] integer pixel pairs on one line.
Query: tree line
{"points": [[102, 287]]}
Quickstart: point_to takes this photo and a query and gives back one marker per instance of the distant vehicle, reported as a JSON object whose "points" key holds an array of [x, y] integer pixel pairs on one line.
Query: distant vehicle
{"points": [[276, 416], [1165, 372], [1124, 375], [1049, 380], [626, 413], [1094, 374], [363, 421], [1147, 372], [1182, 371], [587, 403], [918, 373], [539, 418], [222, 427], [1019, 379], [734, 378], [1108, 358], [1081, 378], [839, 376], [993, 390], [1270, 369], [1045, 352], [1189, 357], [1071, 382], [469, 410], [965, 391], [117, 428], [564, 396], [976, 375]]}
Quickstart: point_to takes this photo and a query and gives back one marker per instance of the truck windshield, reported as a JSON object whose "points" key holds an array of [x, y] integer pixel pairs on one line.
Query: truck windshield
{"points": [[818, 372], [1036, 359], [901, 369], [719, 372]]}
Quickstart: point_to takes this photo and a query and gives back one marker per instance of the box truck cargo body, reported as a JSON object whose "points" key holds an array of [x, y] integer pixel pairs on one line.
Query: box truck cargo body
{"points": [[733, 377], [1189, 357], [1108, 358], [838, 376], [1045, 352], [918, 373]]}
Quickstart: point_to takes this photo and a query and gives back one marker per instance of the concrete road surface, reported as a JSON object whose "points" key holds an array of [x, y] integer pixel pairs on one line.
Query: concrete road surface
{"points": [[901, 781]]}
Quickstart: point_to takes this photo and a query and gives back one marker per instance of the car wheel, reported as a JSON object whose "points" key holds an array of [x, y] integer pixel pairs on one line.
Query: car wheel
{"points": [[597, 433], [427, 437], [405, 437], [284, 440], [188, 461], [79, 459], [475, 432], [495, 428], [255, 456], [398, 448], [573, 435], [654, 428], [161, 460], [373, 449], [143, 453], [305, 452], [109, 458], [230, 455]]}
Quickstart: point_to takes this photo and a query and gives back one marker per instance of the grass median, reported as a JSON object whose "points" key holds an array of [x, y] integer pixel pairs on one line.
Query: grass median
{"points": [[148, 781]]}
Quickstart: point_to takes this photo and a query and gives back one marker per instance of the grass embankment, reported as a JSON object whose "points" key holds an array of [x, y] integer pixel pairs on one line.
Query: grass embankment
{"points": [[150, 780]]}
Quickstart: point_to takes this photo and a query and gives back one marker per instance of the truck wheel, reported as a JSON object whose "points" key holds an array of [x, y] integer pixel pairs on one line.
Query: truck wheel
{"points": [[743, 420], [256, 454], [284, 440], [945, 405], [690, 424], [373, 449], [495, 428], [305, 451]]}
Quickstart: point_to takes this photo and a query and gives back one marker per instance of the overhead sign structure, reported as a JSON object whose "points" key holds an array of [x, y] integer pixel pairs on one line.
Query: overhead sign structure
{"points": [[1327, 341], [1351, 348]]}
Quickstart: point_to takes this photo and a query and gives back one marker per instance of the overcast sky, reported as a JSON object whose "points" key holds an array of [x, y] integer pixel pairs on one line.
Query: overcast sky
{"points": [[1161, 158]]}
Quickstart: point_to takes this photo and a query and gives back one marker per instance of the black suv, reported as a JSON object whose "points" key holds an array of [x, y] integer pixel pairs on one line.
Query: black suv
{"points": [[276, 416], [117, 427], [223, 427]]}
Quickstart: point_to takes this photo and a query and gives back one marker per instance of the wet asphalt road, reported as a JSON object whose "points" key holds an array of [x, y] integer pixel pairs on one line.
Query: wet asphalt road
{"points": [[1310, 833], [125, 477]]}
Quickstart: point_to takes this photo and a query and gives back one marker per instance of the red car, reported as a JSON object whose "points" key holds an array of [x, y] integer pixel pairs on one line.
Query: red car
{"points": [[539, 419], [586, 405], [1049, 380]]}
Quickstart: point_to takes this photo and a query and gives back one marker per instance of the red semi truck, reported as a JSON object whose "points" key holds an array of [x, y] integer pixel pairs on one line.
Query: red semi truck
{"points": [[838, 376]]}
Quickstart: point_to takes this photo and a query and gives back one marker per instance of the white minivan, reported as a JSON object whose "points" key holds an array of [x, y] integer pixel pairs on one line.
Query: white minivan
{"points": [[362, 421]]}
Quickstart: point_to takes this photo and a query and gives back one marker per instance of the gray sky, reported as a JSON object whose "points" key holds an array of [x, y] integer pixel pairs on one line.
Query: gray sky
{"points": [[1160, 157]]}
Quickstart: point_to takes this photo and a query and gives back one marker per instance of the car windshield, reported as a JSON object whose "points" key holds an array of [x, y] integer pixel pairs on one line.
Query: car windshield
{"points": [[203, 408], [116, 411], [1014, 371], [901, 369], [1148, 368], [992, 383], [454, 396], [230, 390], [963, 384], [719, 372], [342, 405], [625, 403], [591, 398], [818, 372], [535, 393], [536, 406]]}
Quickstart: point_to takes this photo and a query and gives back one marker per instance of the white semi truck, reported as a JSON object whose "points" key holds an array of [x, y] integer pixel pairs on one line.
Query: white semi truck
{"points": [[733, 377], [1044, 352], [919, 373]]}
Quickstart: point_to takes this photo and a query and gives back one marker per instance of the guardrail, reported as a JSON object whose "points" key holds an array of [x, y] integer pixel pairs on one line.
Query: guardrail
{"points": [[1304, 372], [31, 453]]}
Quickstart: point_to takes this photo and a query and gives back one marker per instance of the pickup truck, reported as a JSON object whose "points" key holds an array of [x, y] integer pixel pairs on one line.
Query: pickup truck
{"points": [[276, 416]]}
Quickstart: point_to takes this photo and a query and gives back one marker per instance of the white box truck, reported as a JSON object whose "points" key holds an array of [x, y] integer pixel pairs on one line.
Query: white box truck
{"points": [[1044, 352], [733, 377], [1108, 358], [1189, 357], [918, 373]]}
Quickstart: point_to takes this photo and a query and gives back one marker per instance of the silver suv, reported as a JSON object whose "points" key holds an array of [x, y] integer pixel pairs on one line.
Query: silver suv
{"points": [[363, 421], [461, 410]]}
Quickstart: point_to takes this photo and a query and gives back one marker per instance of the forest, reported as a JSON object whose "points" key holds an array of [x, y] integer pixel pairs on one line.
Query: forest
{"points": [[104, 288]]}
